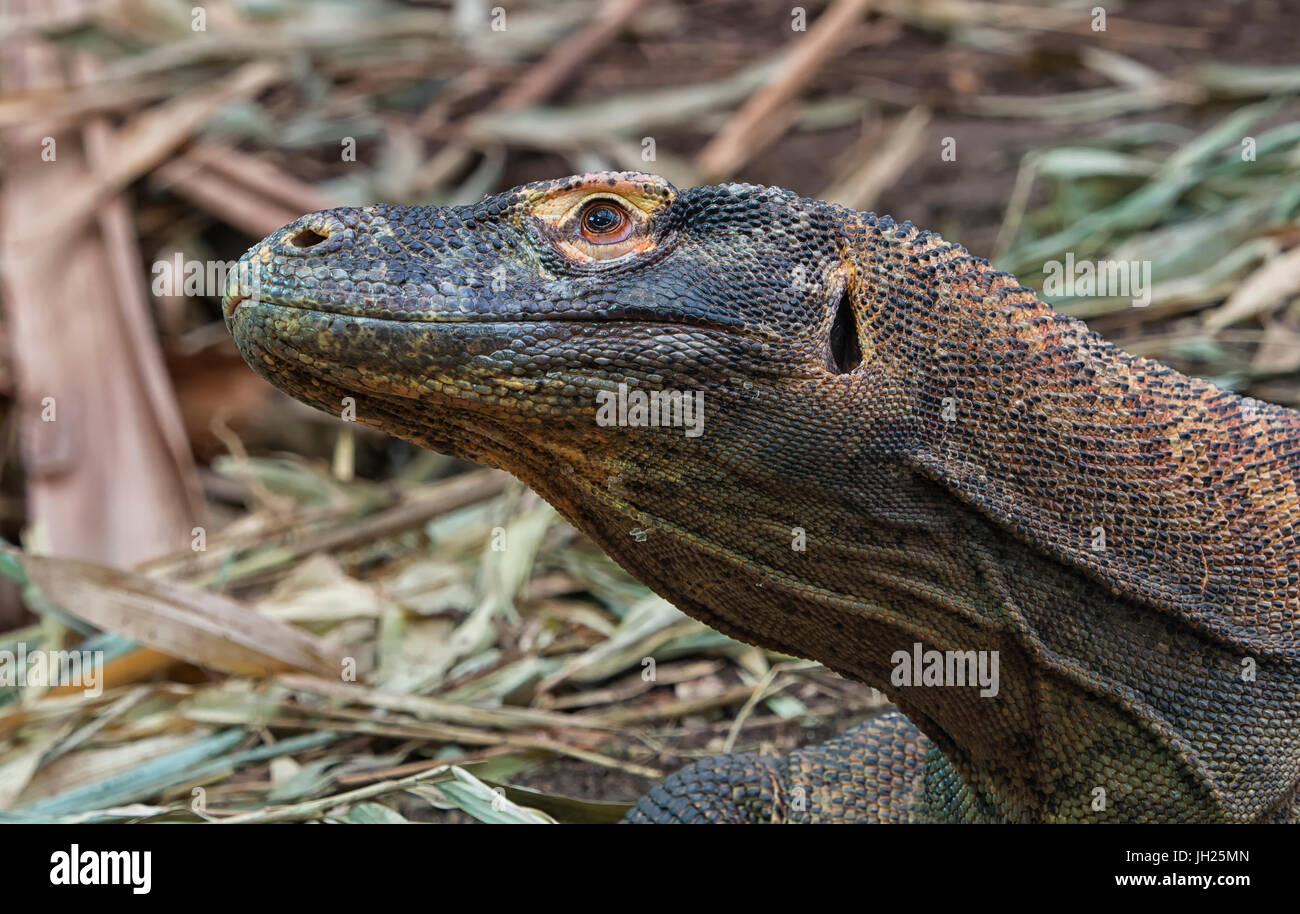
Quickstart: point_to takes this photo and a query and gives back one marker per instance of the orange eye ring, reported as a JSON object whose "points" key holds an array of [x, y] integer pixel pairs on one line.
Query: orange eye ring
{"points": [[604, 222]]}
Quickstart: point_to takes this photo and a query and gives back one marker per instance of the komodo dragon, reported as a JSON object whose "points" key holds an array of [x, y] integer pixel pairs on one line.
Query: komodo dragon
{"points": [[902, 452]]}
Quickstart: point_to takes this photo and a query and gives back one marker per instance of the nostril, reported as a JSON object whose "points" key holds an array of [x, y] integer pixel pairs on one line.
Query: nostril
{"points": [[306, 238]]}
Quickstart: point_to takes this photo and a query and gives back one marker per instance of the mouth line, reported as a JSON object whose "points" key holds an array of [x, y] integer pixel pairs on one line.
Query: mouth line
{"points": [[230, 304]]}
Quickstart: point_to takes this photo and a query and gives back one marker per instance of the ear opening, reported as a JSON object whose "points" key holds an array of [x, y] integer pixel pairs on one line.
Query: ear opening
{"points": [[844, 349]]}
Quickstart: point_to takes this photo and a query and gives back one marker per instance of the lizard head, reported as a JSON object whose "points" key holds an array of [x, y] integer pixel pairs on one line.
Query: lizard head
{"points": [[607, 316], [665, 367], [687, 376]]}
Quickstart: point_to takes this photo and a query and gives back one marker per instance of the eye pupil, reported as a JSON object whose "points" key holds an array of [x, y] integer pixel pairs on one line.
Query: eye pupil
{"points": [[602, 219]]}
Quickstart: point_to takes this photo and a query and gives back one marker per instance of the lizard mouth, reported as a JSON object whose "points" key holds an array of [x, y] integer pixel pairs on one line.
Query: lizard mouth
{"points": [[288, 338], [642, 316], [446, 383], [229, 305]]}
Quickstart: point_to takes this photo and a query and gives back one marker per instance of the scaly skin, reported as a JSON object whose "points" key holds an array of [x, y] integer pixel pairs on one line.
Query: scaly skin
{"points": [[969, 470]]}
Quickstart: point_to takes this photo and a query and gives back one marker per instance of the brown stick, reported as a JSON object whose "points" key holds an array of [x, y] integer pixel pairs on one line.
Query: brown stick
{"points": [[263, 177], [750, 128], [537, 83], [225, 197], [544, 77]]}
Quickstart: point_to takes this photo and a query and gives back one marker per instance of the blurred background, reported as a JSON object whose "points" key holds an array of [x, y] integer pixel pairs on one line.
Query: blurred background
{"points": [[227, 552]]}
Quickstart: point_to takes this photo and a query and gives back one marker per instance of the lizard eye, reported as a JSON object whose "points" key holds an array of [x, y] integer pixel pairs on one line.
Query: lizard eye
{"points": [[598, 228], [604, 223]]}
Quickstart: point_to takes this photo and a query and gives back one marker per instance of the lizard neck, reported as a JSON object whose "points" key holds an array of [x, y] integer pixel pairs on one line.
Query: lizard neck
{"points": [[1086, 680]]}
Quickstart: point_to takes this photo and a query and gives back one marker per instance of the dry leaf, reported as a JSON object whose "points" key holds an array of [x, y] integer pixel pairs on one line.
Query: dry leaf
{"points": [[1274, 282], [182, 621]]}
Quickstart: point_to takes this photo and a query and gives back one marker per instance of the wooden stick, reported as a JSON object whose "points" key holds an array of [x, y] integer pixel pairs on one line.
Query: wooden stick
{"points": [[750, 128]]}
